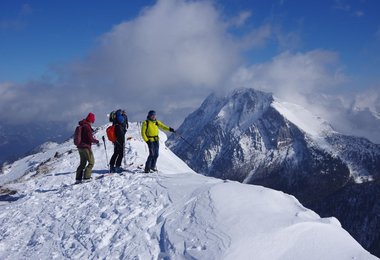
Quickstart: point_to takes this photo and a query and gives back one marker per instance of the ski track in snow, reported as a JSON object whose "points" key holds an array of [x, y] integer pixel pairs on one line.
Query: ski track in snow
{"points": [[173, 214], [124, 216]]}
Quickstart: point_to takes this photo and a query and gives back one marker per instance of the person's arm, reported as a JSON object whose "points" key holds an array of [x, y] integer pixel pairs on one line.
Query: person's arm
{"points": [[90, 136], [164, 127], [126, 121], [143, 132]]}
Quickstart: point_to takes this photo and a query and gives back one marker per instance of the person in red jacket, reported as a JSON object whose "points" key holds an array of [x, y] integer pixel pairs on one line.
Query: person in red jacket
{"points": [[84, 149]]}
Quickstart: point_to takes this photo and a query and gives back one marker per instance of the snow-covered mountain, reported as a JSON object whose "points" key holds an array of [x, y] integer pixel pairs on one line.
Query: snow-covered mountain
{"points": [[17, 141], [251, 137], [175, 214]]}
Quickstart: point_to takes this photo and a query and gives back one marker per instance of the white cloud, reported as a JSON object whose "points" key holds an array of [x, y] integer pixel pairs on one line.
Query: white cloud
{"points": [[352, 113], [174, 42], [258, 37], [168, 58], [369, 99], [292, 76], [241, 19]]}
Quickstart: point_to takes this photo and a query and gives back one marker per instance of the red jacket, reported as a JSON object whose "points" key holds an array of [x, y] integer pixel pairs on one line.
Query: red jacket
{"points": [[87, 138]]}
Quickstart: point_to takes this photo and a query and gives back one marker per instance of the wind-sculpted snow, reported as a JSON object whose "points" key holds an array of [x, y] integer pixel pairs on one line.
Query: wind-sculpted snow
{"points": [[172, 214]]}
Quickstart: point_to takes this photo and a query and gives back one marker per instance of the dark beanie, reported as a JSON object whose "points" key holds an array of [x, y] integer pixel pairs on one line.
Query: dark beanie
{"points": [[151, 113]]}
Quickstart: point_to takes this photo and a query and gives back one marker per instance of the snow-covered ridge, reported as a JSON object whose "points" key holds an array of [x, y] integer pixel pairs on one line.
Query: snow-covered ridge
{"points": [[303, 118], [175, 214], [354, 151]]}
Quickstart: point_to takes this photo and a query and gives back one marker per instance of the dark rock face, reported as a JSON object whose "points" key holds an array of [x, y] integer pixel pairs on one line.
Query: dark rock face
{"points": [[362, 156], [243, 137], [358, 209]]}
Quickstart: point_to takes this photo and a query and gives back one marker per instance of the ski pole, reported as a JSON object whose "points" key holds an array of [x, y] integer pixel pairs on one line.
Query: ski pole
{"points": [[139, 124], [105, 148], [124, 154], [188, 143]]}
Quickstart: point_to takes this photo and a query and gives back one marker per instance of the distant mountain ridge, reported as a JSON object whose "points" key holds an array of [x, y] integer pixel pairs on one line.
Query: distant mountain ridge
{"points": [[17, 141], [251, 137]]}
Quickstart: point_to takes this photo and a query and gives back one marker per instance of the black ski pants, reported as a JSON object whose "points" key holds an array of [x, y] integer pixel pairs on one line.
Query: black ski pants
{"points": [[118, 153]]}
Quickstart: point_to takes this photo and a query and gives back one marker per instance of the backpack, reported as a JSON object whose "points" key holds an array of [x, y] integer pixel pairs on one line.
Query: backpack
{"points": [[111, 135], [116, 117], [147, 123], [78, 135], [112, 116]]}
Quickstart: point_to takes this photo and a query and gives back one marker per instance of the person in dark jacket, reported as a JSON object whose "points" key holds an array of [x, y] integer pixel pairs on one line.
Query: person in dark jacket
{"points": [[84, 149], [121, 126]]}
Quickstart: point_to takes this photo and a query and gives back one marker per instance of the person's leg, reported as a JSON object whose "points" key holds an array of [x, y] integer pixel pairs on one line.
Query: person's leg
{"points": [[148, 164], [91, 161], [156, 148], [113, 158], [82, 165], [120, 153]]}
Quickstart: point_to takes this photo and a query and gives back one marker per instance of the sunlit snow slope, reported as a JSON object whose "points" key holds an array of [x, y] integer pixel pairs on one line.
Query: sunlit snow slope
{"points": [[175, 214]]}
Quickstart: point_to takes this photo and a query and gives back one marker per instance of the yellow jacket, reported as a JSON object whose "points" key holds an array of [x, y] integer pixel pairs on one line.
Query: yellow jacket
{"points": [[149, 130]]}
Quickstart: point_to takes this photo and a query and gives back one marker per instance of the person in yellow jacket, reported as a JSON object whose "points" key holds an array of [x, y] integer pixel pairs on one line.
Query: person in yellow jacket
{"points": [[149, 132]]}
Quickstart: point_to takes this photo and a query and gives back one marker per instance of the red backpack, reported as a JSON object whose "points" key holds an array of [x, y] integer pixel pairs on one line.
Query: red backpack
{"points": [[78, 135], [111, 133]]}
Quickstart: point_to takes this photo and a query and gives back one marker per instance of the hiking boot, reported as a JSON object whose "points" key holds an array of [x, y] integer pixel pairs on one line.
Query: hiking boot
{"points": [[112, 169], [78, 181], [154, 169], [87, 180], [147, 170], [119, 169]]}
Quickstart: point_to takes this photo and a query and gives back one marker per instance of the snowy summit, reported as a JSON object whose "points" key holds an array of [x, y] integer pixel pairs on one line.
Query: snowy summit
{"points": [[173, 214]]}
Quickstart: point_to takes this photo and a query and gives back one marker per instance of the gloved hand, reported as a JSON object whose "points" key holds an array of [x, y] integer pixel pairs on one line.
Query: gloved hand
{"points": [[171, 130], [98, 144]]}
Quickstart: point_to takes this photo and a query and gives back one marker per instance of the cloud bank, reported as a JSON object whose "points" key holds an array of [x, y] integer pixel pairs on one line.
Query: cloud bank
{"points": [[168, 58], [171, 57]]}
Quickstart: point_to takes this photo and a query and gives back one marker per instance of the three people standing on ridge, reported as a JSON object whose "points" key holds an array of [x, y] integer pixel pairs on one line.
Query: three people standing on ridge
{"points": [[121, 125], [149, 132], [84, 138], [84, 148]]}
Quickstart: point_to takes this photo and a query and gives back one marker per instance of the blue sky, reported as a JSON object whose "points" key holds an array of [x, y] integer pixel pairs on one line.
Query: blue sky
{"points": [[37, 34], [350, 28], [324, 55]]}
